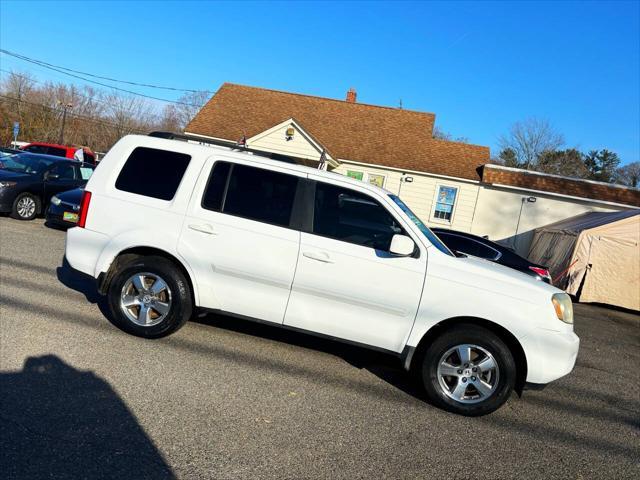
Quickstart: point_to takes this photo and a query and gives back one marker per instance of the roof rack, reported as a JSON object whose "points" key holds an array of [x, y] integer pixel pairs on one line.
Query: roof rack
{"points": [[221, 143]]}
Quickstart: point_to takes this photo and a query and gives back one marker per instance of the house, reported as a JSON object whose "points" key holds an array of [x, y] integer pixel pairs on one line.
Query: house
{"points": [[450, 184]]}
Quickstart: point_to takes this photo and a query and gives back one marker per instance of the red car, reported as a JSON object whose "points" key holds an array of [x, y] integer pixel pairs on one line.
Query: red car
{"points": [[60, 151]]}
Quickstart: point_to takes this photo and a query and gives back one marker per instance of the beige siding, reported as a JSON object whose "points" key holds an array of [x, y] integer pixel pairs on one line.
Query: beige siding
{"points": [[499, 208], [275, 141], [420, 194]]}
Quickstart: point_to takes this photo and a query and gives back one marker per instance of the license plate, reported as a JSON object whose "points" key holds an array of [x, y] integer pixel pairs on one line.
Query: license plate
{"points": [[70, 217]]}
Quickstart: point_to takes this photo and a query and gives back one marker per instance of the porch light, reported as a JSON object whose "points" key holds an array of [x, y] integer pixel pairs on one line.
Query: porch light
{"points": [[289, 133]]}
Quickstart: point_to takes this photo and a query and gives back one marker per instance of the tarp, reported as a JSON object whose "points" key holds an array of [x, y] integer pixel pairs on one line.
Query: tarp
{"points": [[595, 256]]}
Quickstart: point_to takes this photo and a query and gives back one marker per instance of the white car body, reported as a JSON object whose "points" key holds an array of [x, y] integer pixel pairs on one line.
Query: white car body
{"points": [[309, 282]]}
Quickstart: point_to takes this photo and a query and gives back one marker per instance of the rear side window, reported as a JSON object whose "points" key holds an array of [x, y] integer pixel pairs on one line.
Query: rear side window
{"points": [[58, 152], [253, 193], [36, 149], [153, 173], [353, 217], [86, 172], [468, 246]]}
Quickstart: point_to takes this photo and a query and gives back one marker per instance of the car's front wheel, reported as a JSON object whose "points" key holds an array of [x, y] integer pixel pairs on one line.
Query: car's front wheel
{"points": [[150, 297], [468, 370], [25, 207]]}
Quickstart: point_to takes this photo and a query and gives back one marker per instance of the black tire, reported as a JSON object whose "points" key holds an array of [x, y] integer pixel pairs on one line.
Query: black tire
{"points": [[26, 196], [180, 303], [468, 334]]}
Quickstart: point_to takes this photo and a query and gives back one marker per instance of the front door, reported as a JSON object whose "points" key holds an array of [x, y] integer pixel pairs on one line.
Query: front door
{"points": [[347, 284], [237, 239], [60, 178]]}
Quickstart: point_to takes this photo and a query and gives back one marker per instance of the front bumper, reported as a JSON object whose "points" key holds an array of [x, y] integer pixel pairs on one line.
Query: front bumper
{"points": [[550, 354]]}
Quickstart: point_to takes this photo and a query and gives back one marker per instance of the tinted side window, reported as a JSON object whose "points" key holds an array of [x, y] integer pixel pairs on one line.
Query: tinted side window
{"points": [[352, 217], [468, 246], [261, 195], [65, 171], [58, 152], [214, 193], [36, 149], [153, 173]]}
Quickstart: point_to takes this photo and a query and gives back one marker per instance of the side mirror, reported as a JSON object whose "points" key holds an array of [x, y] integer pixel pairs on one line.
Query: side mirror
{"points": [[51, 176], [402, 245]]}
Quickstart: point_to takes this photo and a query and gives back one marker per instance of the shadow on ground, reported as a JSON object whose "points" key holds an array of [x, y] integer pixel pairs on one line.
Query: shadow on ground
{"points": [[59, 422], [385, 366]]}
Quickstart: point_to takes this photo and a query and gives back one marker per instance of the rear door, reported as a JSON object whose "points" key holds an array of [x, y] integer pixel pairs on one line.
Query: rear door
{"points": [[238, 238], [347, 284]]}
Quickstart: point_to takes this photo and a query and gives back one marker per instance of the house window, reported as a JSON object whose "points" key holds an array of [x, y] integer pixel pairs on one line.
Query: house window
{"points": [[445, 202], [377, 180], [355, 174]]}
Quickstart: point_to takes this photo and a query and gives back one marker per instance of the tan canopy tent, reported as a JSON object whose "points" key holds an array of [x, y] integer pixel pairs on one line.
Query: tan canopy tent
{"points": [[595, 256]]}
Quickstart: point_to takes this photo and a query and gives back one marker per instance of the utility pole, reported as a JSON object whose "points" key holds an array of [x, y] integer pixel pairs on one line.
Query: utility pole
{"points": [[65, 107]]}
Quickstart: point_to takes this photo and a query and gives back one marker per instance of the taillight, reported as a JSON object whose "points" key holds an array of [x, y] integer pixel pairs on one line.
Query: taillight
{"points": [[84, 208], [543, 272]]}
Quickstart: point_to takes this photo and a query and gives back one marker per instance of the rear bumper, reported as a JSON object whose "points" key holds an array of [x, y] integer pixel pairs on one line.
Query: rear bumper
{"points": [[83, 249], [550, 355], [55, 218]]}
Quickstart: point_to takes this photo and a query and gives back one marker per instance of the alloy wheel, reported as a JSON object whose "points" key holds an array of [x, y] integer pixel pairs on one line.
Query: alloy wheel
{"points": [[468, 373], [145, 299], [26, 207]]}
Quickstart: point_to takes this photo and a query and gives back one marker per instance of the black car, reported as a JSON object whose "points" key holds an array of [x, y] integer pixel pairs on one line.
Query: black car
{"points": [[28, 181], [468, 244], [63, 209]]}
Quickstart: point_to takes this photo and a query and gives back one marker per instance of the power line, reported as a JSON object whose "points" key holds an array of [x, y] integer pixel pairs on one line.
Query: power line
{"points": [[76, 115], [44, 83], [24, 57], [62, 70]]}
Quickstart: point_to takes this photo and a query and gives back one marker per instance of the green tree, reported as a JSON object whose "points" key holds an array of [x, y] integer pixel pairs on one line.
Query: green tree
{"points": [[569, 163], [602, 164], [508, 158]]}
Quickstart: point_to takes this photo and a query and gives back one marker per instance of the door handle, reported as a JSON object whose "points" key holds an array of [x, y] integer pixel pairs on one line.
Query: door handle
{"points": [[205, 228], [319, 256]]}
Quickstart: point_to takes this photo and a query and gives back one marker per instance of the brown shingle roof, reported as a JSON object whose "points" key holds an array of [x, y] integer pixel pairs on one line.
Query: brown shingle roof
{"points": [[575, 187], [350, 131]]}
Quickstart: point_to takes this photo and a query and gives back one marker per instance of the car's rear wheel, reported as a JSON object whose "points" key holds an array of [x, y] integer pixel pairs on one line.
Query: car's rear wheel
{"points": [[150, 297], [468, 370], [25, 207]]}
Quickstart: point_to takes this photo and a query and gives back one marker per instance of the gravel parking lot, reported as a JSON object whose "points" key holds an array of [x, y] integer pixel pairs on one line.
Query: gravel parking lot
{"points": [[224, 398]]}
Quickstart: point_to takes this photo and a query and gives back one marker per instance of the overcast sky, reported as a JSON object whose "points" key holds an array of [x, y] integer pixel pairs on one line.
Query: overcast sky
{"points": [[478, 66]]}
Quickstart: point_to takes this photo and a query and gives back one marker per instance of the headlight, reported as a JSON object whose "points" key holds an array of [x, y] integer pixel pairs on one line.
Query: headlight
{"points": [[7, 184], [563, 307], [55, 200]]}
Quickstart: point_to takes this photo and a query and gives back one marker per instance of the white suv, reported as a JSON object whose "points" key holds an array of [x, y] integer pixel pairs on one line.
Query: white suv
{"points": [[169, 226]]}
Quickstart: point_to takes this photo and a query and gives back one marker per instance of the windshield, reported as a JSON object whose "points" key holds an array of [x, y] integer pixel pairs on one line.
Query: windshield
{"points": [[30, 164], [432, 237]]}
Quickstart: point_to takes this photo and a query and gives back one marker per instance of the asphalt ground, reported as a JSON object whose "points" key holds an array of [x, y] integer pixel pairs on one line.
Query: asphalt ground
{"points": [[225, 398]]}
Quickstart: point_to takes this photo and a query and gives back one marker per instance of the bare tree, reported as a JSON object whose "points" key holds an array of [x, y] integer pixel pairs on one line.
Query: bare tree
{"points": [[629, 175], [190, 104], [93, 118], [440, 134], [529, 139]]}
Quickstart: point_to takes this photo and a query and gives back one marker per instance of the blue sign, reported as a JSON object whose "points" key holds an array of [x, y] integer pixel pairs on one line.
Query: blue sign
{"points": [[16, 128]]}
